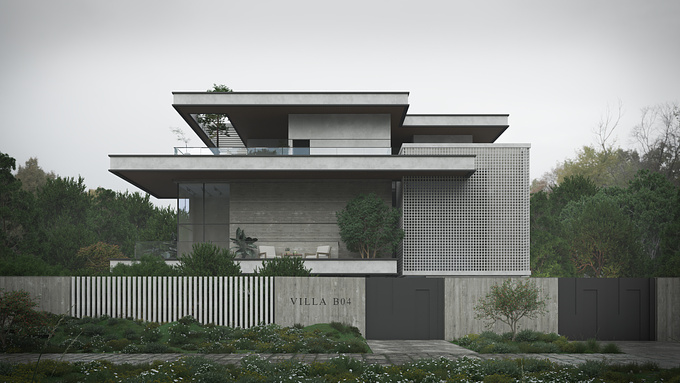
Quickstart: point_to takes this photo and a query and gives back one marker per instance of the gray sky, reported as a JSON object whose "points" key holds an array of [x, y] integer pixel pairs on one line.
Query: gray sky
{"points": [[80, 80]]}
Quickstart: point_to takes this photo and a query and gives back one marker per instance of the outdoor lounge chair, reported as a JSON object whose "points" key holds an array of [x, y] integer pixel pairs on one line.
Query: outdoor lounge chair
{"points": [[267, 251], [321, 252]]}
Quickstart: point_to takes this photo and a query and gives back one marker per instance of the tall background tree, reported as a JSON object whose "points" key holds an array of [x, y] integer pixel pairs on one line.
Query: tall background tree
{"points": [[636, 191], [52, 228]]}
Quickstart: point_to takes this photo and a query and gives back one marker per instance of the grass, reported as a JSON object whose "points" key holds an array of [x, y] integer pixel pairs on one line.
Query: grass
{"points": [[342, 368], [531, 342], [105, 334]]}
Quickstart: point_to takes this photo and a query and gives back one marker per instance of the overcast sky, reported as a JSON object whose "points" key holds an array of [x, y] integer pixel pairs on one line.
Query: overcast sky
{"points": [[80, 80]]}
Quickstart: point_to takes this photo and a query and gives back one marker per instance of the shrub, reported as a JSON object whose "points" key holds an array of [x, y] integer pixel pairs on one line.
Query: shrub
{"points": [[148, 265], [510, 302], [527, 336], [18, 317], [155, 348], [611, 348], [207, 259], [592, 346], [283, 267]]}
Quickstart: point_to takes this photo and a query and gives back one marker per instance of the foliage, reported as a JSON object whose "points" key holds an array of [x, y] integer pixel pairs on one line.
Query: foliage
{"points": [[18, 317], [283, 267], [148, 265], [579, 229], [47, 227], [213, 124], [95, 258], [32, 176], [658, 136], [369, 226], [530, 342], [509, 302], [15, 209], [207, 259], [603, 240], [605, 166], [106, 334], [245, 246], [254, 368]]}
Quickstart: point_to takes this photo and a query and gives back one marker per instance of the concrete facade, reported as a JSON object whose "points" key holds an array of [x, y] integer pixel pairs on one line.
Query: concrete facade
{"points": [[309, 301], [668, 309]]}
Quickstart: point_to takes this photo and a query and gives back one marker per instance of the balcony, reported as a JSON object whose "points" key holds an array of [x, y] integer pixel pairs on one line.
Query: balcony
{"points": [[282, 151]]}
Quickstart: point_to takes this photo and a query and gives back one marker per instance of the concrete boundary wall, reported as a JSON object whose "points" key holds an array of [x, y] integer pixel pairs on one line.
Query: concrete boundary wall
{"points": [[52, 293], [668, 309], [311, 300], [462, 294]]}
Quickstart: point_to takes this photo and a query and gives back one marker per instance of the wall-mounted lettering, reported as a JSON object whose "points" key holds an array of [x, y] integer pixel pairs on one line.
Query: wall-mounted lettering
{"points": [[317, 301]]}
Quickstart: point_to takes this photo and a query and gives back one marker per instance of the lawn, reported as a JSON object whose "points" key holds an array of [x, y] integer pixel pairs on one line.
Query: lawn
{"points": [[531, 342], [105, 334]]}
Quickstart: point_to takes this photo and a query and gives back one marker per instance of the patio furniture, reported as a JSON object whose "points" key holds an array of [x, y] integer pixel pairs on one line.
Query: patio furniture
{"points": [[267, 251], [321, 252]]}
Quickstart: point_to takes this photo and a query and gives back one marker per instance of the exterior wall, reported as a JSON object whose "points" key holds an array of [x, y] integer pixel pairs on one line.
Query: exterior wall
{"points": [[309, 301], [297, 214], [53, 294], [667, 309], [341, 130], [477, 225], [462, 294]]}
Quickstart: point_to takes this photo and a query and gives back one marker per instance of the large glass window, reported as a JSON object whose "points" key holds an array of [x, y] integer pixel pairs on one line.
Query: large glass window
{"points": [[203, 214]]}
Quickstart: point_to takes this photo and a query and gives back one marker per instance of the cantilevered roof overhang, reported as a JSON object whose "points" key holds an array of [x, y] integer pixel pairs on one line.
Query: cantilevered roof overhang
{"points": [[483, 128], [264, 115], [158, 175]]}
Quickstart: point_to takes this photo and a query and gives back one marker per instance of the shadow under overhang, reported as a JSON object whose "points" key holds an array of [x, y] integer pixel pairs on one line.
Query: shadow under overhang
{"points": [[161, 181]]}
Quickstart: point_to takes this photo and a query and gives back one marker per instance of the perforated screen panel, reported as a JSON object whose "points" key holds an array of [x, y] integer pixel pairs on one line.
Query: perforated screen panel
{"points": [[468, 226]]}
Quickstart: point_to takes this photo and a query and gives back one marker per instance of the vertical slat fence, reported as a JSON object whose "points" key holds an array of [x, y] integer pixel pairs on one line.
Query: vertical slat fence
{"points": [[225, 301]]}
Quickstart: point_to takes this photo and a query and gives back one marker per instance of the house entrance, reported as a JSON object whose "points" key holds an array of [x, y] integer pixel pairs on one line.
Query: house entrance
{"points": [[607, 309], [404, 308]]}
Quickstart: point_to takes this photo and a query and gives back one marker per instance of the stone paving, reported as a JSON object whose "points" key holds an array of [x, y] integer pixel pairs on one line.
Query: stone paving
{"points": [[665, 354]]}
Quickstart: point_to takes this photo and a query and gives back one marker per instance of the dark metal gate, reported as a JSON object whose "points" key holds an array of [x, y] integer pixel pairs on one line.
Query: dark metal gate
{"points": [[607, 309], [404, 308]]}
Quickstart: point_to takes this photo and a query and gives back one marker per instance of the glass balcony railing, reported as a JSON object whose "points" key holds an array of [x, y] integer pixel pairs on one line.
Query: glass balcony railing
{"points": [[203, 151]]}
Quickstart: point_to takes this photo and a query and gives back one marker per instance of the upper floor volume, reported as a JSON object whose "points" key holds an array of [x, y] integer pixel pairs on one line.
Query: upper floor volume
{"points": [[309, 135]]}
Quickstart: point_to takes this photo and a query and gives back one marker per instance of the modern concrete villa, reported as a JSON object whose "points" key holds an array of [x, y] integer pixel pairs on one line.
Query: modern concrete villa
{"points": [[290, 160]]}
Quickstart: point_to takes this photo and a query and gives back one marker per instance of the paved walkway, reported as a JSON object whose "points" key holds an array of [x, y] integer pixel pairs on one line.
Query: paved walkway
{"points": [[386, 352]]}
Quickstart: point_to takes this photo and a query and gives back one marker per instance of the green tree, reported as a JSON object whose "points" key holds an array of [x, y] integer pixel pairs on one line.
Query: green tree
{"points": [[62, 206], [369, 226], [605, 167], [215, 123], [207, 259], [668, 262], [16, 209], [283, 267], [509, 302], [550, 256], [32, 176], [603, 241]]}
